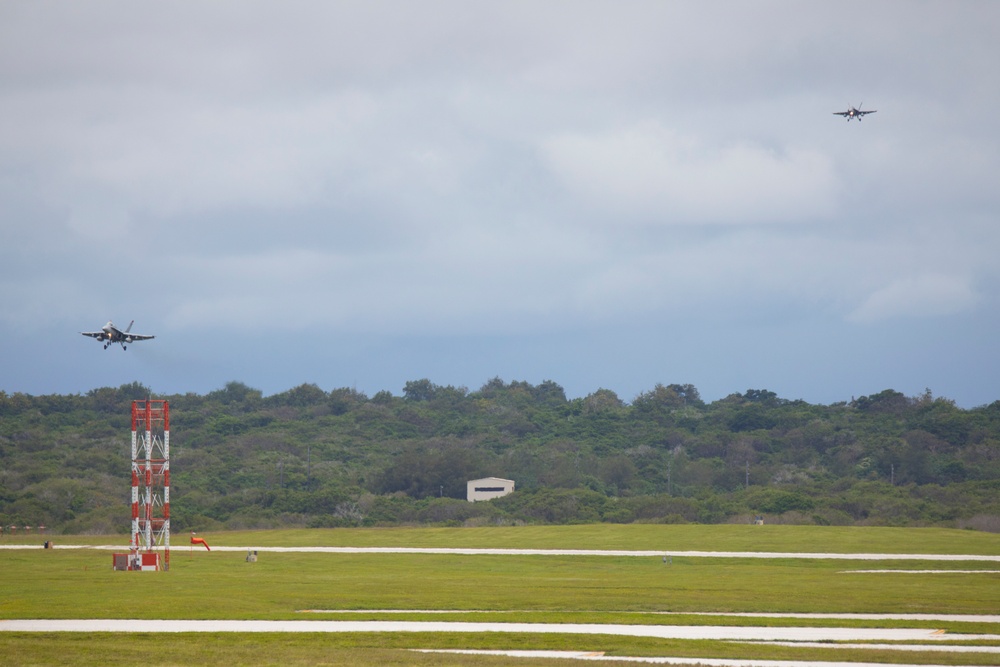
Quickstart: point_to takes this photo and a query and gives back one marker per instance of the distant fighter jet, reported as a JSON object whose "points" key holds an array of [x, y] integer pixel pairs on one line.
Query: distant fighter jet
{"points": [[853, 113], [110, 334]]}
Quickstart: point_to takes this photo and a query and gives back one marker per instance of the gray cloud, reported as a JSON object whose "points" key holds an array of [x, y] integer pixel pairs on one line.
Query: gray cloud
{"points": [[282, 175], [652, 173]]}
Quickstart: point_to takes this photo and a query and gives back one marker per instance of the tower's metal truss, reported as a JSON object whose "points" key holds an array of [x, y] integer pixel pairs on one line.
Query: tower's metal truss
{"points": [[150, 481]]}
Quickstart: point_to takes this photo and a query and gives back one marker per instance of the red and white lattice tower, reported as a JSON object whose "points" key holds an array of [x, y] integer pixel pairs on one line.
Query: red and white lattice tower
{"points": [[150, 484]]}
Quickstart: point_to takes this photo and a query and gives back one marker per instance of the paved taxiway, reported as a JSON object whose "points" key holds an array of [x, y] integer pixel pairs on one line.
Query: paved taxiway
{"points": [[721, 633]]}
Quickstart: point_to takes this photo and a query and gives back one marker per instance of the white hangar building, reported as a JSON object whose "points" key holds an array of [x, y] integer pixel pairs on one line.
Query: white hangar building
{"points": [[488, 488]]}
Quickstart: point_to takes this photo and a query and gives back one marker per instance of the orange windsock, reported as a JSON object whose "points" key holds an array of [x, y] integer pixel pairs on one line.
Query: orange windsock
{"points": [[200, 540]]}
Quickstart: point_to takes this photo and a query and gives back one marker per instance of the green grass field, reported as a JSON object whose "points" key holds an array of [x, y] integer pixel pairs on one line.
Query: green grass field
{"points": [[805, 539], [832, 539], [64, 583]]}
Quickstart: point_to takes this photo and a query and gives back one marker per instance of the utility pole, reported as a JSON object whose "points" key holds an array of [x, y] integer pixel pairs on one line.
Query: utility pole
{"points": [[748, 474]]}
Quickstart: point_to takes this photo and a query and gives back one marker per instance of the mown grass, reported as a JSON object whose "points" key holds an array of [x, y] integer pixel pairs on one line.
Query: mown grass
{"points": [[202, 585], [587, 589], [365, 649], [641, 537]]}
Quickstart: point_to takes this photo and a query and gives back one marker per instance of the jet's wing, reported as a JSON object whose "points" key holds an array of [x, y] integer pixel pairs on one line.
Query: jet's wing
{"points": [[841, 113], [128, 336], [862, 113], [94, 334]]}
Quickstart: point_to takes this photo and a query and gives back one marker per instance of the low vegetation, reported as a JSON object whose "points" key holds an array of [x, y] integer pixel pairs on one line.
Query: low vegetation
{"points": [[312, 458]]}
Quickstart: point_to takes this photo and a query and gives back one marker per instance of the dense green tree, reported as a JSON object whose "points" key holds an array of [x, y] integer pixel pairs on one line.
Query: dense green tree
{"points": [[419, 390], [302, 396], [307, 457], [887, 401], [236, 393], [430, 468], [603, 401]]}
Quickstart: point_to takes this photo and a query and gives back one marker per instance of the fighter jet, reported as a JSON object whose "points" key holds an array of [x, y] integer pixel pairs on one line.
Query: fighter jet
{"points": [[853, 113], [110, 334]]}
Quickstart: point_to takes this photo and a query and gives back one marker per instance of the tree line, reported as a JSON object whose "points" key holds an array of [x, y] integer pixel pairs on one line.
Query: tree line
{"points": [[310, 457]]}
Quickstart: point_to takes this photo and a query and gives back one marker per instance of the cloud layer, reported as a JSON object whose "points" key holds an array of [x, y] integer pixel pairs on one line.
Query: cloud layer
{"points": [[497, 175]]}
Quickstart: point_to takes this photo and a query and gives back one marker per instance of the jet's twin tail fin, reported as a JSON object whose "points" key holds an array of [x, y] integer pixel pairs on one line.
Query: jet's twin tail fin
{"points": [[130, 326]]}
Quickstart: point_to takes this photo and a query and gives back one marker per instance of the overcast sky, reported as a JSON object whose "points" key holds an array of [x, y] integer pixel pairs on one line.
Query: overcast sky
{"points": [[603, 194]]}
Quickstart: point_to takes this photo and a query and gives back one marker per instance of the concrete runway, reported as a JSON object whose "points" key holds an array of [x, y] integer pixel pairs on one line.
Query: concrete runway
{"points": [[722, 633], [960, 618]]}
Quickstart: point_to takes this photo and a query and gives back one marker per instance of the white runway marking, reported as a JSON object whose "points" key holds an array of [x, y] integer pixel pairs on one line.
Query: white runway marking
{"points": [[966, 618], [950, 648], [920, 572], [722, 633], [709, 662]]}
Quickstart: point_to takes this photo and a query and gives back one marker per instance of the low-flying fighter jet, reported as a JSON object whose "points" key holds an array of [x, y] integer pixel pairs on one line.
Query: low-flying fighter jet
{"points": [[853, 113], [109, 333]]}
